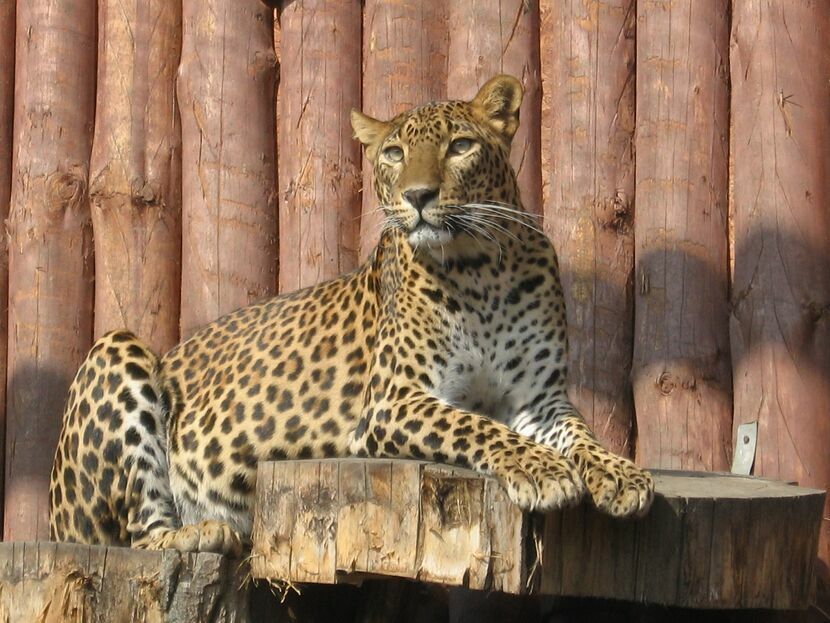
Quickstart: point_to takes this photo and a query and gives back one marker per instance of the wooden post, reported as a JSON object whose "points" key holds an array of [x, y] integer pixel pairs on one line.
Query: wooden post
{"points": [[63, 582], [50, 251], [681, 371], [489, 38], [709, 541], [7, 35], [226, 97], [404, 65], [320, 174], [135, 178], [780, 329], [588, 164]]}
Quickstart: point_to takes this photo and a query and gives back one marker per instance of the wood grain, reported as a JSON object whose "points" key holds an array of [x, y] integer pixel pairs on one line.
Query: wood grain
{"points": [[319, 165], [225, 91], [50, 245], [588, 103], [710, 540], [135, 175], [780, 329], [61, 582], [681, 370]]}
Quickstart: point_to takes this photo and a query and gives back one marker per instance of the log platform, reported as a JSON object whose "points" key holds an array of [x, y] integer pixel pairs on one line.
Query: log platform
{"points": [[709, 541], [63, 582]]}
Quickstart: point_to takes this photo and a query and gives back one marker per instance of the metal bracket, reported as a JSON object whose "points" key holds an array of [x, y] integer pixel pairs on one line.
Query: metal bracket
{"points": [[744, 455]]}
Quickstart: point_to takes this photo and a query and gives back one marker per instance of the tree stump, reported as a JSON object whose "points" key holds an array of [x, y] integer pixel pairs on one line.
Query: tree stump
{"points": [[709, 541], [55, 582]]}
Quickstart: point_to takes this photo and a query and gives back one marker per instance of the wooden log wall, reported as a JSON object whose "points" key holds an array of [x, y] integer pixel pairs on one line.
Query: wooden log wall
{"points": [[674, 149]]}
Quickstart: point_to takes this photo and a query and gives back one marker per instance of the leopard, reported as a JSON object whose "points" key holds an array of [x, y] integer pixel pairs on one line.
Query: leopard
{"points": [[447, 344]]}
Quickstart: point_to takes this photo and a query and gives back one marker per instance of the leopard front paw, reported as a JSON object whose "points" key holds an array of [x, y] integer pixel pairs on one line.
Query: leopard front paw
{"points": [[537, 478], [617, 486]]}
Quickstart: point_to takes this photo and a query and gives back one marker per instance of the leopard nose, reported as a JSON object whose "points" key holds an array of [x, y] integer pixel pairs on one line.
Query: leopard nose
{"points": [[419, 198]]}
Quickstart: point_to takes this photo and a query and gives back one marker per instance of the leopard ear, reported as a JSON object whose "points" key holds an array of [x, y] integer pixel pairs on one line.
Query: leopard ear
{"points": [[498, 102], [370, 132]]}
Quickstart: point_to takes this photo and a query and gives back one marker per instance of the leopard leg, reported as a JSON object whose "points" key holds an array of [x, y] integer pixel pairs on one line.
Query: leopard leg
{"points": [[420, 426], [617, 486], [110, 481]]}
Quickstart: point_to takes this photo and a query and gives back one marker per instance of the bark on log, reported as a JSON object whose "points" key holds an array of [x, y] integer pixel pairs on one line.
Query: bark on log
{"points": [[7, 35], [780, 327], [710, 540], [681, 370], [135, 176], [489, 38], [404, 65], [588, 163], [320, 174], [226, 96], [50, 256], [63, 582]]}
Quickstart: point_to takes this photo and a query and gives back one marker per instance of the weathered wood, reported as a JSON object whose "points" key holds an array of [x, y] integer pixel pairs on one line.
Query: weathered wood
{"points": [[404, 65], [52, 583], [681, 370], [7, 35], [497, 37], [229, 210], [711, 540], [135, 174], [319, 165], [588, 163], [780, 328], [50, 245]]}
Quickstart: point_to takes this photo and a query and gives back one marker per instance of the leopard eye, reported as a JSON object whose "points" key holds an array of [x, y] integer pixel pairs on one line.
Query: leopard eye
{"points": [[460, 146], [393, 153]]}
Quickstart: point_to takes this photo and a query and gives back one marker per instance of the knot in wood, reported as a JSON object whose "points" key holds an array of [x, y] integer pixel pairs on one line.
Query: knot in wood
{"points": [[666, 383], [64, 191]]}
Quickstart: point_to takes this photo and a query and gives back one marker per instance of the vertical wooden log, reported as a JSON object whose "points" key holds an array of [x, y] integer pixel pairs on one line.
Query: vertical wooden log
{"points": [[135, 175], [588, 164], [50, 249], [489, 38], [780, 326], [681, 371], [229, 216], [320, 172], [7, 24], [404, 65]]}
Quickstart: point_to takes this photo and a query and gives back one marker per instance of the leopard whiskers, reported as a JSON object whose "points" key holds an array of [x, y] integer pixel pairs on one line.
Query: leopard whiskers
{"points": [[504, 213]]}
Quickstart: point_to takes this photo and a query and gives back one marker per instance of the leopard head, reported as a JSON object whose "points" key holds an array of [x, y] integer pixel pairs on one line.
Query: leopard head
{"points": [[442, 171]]}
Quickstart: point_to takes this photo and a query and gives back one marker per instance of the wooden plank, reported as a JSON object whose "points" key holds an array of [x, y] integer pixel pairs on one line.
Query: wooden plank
{"points": [[135, 175], [709, 541], [588, 181], [404, 65], [7, 35], [319, 166], [779, 332], [50, 245], [51, 583], [681, 369], [229, 213], [501, 37]]}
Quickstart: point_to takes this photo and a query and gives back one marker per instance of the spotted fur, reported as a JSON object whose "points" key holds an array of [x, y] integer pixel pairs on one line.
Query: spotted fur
{"points": [[448, 344]]}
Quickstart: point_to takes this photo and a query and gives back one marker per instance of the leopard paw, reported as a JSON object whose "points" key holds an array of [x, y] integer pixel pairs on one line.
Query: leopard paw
{"points": [[617, 486], [537, 478], [207, 536]]}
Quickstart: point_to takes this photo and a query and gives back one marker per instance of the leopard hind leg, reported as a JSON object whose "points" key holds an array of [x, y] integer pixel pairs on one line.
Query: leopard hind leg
{"points": [[110, 481]]}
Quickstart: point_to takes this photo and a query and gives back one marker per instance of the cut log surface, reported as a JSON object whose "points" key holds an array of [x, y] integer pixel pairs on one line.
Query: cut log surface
{"points": [[709, 541], [51, 582]]}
